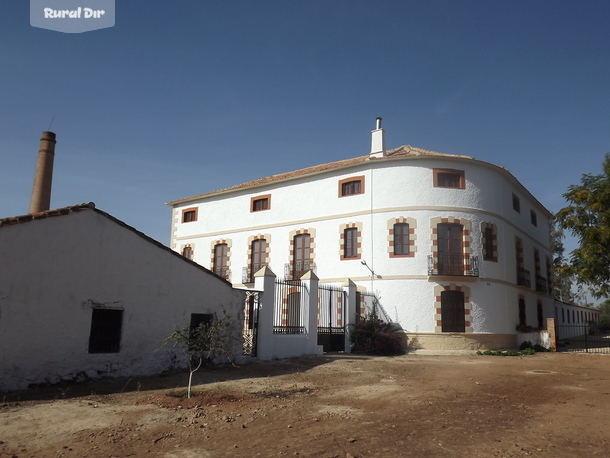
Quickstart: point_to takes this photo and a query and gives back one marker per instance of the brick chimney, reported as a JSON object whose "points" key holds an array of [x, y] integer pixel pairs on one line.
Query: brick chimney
{"points": [[378, 140], [41, 192]]}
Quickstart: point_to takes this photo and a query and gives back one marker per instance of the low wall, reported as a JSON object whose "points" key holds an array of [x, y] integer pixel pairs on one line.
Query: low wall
{"points": [[538, 337], [459, 341]]}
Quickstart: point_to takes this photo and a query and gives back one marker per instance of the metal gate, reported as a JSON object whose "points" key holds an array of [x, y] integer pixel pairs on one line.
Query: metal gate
{"points": [[251, 308], [583, 338], [331, 318]]}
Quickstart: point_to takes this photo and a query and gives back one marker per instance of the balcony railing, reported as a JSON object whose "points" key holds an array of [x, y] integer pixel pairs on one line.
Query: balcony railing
{"points": [[247, 273], [295, 270], [541, 285], [523, 277], [453, 264], [223, 272]]}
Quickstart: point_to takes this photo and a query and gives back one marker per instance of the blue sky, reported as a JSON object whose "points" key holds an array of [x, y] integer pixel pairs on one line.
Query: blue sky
{"points": [[184, 97]]}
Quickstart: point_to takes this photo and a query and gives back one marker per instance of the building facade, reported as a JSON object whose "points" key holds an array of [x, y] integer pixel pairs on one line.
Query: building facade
{"points": [[83, 295], [456, 249]]}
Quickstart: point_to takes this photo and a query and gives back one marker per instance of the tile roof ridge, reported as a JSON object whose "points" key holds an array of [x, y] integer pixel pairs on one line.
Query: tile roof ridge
{"points": [[11, 220]]}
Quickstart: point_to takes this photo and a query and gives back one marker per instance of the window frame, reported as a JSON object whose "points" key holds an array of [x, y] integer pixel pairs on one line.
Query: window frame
{"points": [[533, 218], [516, 203], [353, 240], [106, 330], [404, 243], [223, 257], [263, 198], [461, 178], [188, 211], [349, 180]]}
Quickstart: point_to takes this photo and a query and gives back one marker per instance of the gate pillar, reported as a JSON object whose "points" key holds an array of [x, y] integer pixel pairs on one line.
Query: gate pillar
{"points": [[310, 280], [264, 280]]}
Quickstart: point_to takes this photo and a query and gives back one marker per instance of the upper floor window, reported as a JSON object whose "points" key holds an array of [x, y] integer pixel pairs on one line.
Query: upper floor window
{"points": [[516, 204], [489, 232], [534, 218], [350, 243], [187, 252], [401, 239], [449, 178], [220, 259], [351, 186], [189, 215], [260, 203]]}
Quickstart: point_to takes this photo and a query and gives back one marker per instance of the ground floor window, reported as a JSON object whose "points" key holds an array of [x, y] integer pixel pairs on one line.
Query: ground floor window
{"points": [[105, 335], [453, 311]]}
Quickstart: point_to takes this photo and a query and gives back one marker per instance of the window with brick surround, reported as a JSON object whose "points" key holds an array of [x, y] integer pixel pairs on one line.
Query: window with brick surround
{"points": [[351, 186], [220, 259], [540, 315], [187, 252], [489, 232], [260, 203], [105, 335], [350, 243], [516, 203], [449, 178], [259, 254], [189, 215], [401, 239]]}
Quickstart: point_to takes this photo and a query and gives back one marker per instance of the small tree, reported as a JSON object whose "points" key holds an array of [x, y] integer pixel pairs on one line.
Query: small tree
{"points": [[204, 343]]}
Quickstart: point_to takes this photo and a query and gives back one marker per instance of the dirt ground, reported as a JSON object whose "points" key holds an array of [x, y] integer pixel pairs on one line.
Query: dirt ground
{"points": [[546, 405]]}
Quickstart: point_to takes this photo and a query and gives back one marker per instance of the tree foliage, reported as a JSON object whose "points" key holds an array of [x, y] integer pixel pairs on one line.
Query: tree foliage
{"points": [[563, 278], [587, 217], [205, 342]]}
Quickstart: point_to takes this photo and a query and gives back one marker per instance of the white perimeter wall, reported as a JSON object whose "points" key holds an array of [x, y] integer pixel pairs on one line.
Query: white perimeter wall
{"points": [[55, 270]]}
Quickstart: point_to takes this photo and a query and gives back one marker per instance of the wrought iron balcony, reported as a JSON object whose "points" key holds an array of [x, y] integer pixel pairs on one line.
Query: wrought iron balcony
{"points": [[453, 264], [247, 273], [295, 270], [541, 285], [523, 277]]}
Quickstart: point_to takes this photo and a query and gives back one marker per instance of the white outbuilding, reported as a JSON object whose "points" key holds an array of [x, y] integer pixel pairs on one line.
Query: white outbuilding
{"points": [[83, 295], [456, 249]]}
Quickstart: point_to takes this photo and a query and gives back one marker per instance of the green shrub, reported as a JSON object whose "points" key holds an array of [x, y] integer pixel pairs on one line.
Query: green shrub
{"points": [[373, 336]]}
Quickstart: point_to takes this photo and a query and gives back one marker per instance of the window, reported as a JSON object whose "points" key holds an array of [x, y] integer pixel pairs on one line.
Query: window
{"points": [[351, 186], [189, 215], [453, 311], [187, 252], [260, 203], [105, 336], [401, 239], [490, 245], [450, 254], [522, 312], [220, 259], [516, 204], [540, 315], [350, 243], [302, 255], [197, 319], [534, 218], [449, 178], [259, 254]]}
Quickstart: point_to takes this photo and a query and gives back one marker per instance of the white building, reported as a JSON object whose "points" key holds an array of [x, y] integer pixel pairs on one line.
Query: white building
{"points": [[84, 295], [459, 248]]}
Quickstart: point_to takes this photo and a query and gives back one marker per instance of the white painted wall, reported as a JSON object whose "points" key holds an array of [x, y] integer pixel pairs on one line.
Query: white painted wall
{"points": [[393, 188], [56, 269]]}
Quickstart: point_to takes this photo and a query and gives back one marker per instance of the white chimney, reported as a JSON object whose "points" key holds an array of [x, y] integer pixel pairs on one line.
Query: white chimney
{"points": [[378, 140]]}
